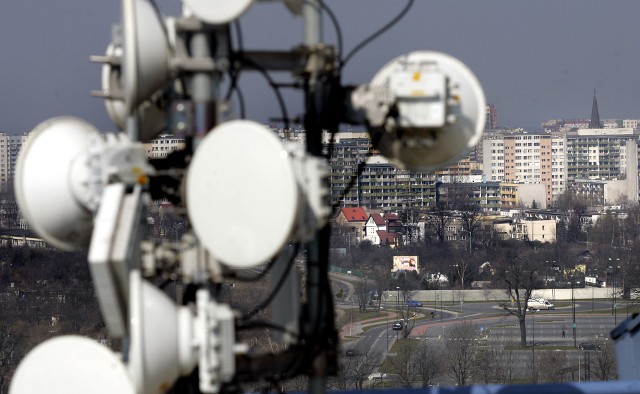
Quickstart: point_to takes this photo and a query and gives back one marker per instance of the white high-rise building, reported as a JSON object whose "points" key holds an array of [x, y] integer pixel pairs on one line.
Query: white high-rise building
{"points": [[519, 158], [10, 146]]}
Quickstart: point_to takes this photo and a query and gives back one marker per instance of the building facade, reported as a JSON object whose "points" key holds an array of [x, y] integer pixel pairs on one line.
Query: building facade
{"points": [[10, 146], [603, 154], [379, 185], [162, 146], [486, 194], [520, 158], [558, 159]]}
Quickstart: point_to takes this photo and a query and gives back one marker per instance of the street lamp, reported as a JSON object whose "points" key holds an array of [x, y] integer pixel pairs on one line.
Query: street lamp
{"points": [[573, 306], [387, 314], [398, 309], [614, 309]]}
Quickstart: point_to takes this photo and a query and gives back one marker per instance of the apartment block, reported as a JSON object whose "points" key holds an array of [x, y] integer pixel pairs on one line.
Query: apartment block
{"points": [[162, 146], [513, 195], [10, 146], [558, 164], [486, 194], [603, 154], [4, 158], [379, 185], [520, 158]]}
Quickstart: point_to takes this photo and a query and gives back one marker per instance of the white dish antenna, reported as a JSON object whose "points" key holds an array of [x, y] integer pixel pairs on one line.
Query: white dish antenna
{"points": [[146, 52], [71, 365], [242, 195], [218, 12], [426, 109], [49, 173]]}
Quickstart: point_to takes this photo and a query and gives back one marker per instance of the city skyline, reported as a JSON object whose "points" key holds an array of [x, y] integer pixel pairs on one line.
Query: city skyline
{"points": [[536, 61]]}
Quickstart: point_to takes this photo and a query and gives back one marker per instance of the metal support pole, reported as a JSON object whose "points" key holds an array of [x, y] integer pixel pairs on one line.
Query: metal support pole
{"points": [[311, 14], [320, 311], [533, 347], [615, 307], [573, 303], [205, 86]]}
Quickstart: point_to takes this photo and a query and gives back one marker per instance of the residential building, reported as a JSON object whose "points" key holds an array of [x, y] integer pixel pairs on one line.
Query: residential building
{"points": [[525, 229], [564, 125], [514, 195], [10, 146], [4, 159], [605, 155], [534, 230], [630, 123], [520, 158], [485, 194], [351, 222], [556, 160], [376, 185], [384, 229], [162, 146], [558, 165]]}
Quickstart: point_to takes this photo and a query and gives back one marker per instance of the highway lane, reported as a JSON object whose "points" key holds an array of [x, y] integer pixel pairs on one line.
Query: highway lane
{"points": [[548, 325], [501, 330]]}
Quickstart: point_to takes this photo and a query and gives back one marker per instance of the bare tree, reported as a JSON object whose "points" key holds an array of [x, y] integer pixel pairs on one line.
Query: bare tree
{"points": [[493, 364], [426, 362], [603, 363], [519, 273], [470, 216], [437, 221], [381, 282], [362, 294], [552, 367], [461, 342], [608, 230], [632, 224], [500, 361], [360, 366], [401, 364]]}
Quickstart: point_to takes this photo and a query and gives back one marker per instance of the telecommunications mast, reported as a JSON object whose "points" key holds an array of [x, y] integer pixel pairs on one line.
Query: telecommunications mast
{"points": [[163, 74]]}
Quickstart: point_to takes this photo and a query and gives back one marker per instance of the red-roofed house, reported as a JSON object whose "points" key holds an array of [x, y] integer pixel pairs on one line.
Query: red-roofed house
{"points": [[351, 221], [384, 229], [352, 215]]}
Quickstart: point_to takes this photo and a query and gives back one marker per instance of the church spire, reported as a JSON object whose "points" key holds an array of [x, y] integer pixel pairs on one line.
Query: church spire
{"points": [[595, 116]]}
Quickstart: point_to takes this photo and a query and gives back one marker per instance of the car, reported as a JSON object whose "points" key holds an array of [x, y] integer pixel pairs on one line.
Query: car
{"points": [[539, 303], [397, 325], [351, 352], [412, 303], [377, 375], [590, 346]]}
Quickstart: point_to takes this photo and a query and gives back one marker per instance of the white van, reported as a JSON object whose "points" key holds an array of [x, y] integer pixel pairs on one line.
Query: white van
{"points": [[539, 303]]}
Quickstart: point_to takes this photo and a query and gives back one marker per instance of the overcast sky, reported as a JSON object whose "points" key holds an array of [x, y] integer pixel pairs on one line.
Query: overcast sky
{"points": [[536, 60]]}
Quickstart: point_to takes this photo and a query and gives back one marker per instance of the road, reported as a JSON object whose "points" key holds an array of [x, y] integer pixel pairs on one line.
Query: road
{"points": [[498, 327]]}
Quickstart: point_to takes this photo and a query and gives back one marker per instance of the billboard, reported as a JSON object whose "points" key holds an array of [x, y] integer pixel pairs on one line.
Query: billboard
{"points": [[405, 263]]}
